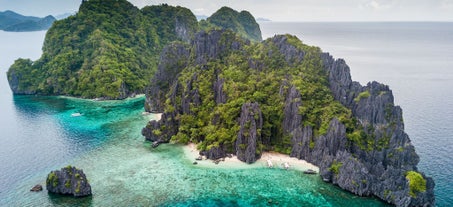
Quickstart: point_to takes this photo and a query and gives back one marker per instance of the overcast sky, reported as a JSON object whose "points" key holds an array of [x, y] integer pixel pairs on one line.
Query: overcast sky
{"points": [[276, 10]]}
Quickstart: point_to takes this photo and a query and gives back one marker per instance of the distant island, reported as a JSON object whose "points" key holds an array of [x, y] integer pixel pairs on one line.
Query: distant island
{"points": [[13, 22], [201, 17], [220, 86]]}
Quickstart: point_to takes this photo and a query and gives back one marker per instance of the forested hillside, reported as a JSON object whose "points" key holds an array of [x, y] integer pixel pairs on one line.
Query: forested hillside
{"points": [[107, 50]]}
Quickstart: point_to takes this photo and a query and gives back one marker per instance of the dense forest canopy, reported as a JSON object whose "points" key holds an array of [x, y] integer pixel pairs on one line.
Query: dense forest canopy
{"points": [[242, 23], [109, 49]]}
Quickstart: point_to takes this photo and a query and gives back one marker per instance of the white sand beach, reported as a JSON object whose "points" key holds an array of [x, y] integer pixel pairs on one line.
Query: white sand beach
{"points": [[278, 161]]}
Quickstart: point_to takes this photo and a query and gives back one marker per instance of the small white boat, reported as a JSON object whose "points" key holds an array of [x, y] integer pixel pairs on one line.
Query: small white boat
{"points": [[76, 114]]}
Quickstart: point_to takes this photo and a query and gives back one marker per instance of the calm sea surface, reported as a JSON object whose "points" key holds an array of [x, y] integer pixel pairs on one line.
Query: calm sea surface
{"points": [[38, 134]]}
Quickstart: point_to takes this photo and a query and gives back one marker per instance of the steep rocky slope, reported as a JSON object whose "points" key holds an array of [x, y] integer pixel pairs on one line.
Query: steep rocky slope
{"points": [[68, 181], [232, 96]]}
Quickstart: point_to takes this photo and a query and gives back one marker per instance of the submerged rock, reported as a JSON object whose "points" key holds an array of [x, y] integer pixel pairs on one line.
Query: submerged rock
{"points": [[68, 181]]}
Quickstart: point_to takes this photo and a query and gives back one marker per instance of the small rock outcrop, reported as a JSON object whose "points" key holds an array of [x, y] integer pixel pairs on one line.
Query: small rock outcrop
{"points": [[68, 181], [215, 152], [249, 136], [36, 188]]}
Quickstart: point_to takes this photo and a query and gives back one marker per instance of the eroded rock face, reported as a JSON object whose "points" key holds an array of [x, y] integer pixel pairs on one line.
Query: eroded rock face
{"points": [[249, 136], [68, 181], [373, 166], [173, 59], [204, 47], [380, 170], [215, 153], [14, 82], [211, 45], [291, 53]]}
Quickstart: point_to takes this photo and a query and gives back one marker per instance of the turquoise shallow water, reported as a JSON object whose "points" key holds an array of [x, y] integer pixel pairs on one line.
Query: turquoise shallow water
{"points": [[125, 171], [38, 134]]}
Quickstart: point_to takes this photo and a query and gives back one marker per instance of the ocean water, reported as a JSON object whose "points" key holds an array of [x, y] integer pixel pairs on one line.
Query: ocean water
{"points": [[38, 134], [416, 60]]}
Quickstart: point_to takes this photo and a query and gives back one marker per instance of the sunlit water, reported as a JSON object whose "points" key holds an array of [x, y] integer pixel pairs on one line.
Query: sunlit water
{"points": [[38, 134]]}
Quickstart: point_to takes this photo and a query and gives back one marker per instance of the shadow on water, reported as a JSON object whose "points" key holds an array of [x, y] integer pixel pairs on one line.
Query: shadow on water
{"points": [[36, 105], [69, 201]]}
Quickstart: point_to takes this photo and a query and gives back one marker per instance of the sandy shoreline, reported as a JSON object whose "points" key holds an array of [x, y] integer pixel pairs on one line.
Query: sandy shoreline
{"points": [[277, 159], [155, 116]]}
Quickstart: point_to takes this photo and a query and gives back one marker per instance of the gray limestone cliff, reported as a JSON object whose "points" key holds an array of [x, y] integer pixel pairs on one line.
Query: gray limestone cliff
{"points": [[249, 137], [370, 158], [68, 181], [204, 47], [173, 59], [381, 170]]}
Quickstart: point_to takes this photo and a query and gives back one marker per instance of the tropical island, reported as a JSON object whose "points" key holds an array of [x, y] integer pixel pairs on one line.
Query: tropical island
{"points": [[221, 87], [13, 22]]}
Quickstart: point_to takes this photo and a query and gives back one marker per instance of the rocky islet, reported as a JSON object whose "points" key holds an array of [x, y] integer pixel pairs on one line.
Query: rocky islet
{"points": [[68, 181]]}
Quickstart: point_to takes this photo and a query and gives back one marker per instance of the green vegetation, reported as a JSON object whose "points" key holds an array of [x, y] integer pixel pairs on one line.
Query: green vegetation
{"points": [[362, 95], [67, 184], [335, 167], [387, 192], [243, 23], [417, 183], [245, 84], [69, 169], [77, 190], [52, 179], [107, 50], [111, 50], [365, 138]]}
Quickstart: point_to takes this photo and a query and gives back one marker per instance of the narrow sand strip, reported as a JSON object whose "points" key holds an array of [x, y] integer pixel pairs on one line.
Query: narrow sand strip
{"points": [[278, 160], [152, 116], [157, 116]]}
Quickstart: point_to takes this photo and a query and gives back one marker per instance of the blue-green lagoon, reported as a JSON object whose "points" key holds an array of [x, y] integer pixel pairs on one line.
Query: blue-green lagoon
{"points": [[124, 170], [39, 134]]}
